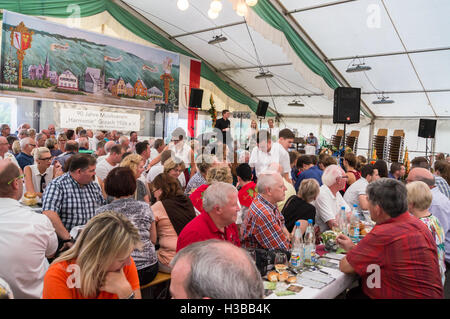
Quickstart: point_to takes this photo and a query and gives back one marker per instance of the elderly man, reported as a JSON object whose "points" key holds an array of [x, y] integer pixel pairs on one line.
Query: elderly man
{"points": [[113, 159], [440, 208], [71, 199], [25, 158], [40, 140], [108, 146], [46, 132], [220, 202], [356, 193], [398, 258], [83, 145], [100, 149], [125, 142], [215, 264], [330, 201], [52, 130], [23, 126], [5, 130], [4, 154], [26, 238], [22, 134], [263, 226]]}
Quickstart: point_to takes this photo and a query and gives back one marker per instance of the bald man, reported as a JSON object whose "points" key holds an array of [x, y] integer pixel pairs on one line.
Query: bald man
{"points": [[202, 271], [440, 207]]}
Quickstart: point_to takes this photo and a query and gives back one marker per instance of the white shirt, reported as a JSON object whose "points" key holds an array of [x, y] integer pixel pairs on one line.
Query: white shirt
{"points": [[352, 193], [261, 160], [279, 152], [274, 132], [101, 158], [327, 206], [153, 154], [11, 157], [36, 177], [92, 144], [25, 241], [183, 153], [103, 168]]}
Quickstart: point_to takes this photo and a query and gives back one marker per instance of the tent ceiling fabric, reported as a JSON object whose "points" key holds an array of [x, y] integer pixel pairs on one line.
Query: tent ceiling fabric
{"points": [[347, 29]]}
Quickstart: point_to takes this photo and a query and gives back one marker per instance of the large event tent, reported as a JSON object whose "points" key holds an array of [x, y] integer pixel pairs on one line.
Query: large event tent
{"points": [[306, 45]]}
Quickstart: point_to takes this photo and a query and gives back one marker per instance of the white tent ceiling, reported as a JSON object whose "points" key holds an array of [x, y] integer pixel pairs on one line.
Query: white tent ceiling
{"points": [[341, 31]]}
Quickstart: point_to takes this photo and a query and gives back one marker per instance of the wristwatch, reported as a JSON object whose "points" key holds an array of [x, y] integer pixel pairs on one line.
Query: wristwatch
{"points": [[131, 296]]}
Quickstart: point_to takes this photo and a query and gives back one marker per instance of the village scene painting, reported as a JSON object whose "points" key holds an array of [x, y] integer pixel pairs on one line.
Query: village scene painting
{"points": [[50, 61]]}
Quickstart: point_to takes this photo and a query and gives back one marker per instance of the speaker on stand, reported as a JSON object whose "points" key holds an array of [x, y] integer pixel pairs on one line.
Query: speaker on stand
{"points": [[195, 103], [346, 108], [261, 111], [427, 129]]}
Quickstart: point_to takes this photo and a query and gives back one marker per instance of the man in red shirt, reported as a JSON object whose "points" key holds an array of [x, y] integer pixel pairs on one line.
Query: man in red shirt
{"points": [[248, 188], [220, 202], [398, 258]]}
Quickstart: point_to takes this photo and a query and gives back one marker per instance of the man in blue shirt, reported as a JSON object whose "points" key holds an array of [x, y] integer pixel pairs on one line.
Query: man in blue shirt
{"points": [[24, 158], [309, 170]]}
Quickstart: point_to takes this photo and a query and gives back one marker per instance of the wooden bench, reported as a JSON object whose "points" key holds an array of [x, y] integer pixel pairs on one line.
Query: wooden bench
{"points": [[148, 289]]}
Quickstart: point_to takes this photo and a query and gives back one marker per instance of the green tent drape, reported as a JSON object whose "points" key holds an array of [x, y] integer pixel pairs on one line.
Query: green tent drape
{"points": [[61, 9]]}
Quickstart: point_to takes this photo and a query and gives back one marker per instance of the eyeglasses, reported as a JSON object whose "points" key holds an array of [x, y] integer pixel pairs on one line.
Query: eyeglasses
{"points": [[34, 145], [18, 177], [45, 159]]}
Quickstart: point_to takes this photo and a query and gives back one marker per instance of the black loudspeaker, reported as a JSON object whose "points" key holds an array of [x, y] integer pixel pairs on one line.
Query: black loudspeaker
{"points": [[427, 128], [262, 108], [195, 98], [346, 105]]}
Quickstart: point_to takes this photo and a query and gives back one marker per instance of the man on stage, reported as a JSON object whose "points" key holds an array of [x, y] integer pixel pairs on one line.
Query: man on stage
{"points": [[223, 125]]}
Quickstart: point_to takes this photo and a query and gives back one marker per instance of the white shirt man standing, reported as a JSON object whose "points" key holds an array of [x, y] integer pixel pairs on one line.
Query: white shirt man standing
{"points": [[279, 151], [261, 157], [27, 238]]}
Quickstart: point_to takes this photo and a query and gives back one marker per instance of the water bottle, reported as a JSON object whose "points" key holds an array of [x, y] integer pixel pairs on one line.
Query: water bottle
{"points": [[310, 244], [297, 248], [342, 221], [354, 224]]}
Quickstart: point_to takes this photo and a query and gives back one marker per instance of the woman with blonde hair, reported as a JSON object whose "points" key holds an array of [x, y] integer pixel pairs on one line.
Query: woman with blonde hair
{"points": [[419, 201], [99, 265], [214, 174], [175, 168], [137, 165], [299, 207], [40, 174]]}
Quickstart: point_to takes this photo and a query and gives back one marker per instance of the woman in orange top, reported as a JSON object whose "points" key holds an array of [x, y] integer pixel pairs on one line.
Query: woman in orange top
{"points": [[99, 264]]}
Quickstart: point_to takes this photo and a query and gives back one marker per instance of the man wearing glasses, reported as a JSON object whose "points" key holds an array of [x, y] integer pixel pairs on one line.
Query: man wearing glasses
{"points": [[27, 238], [4, 154], [26, 146]]}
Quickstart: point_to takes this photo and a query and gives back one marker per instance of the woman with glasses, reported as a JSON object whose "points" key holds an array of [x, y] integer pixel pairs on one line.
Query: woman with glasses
{"points": [[39, 175], [62, 139]]}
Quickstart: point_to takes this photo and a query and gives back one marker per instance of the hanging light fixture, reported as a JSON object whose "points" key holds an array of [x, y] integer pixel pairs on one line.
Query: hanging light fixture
{"points": [[357, 67], [251, 3], [241, 9], [217, 39], [216, 6], [264, 75], [183, 4], [212, 14], [296, 103], [383, 100]]}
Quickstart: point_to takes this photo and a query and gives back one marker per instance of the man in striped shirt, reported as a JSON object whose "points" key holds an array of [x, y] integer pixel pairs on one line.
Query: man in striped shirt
{"points": [[264, 225]]}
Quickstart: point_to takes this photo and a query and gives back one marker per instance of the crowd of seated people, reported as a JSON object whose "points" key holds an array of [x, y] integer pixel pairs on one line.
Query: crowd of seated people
{"points": [[143, 207]]}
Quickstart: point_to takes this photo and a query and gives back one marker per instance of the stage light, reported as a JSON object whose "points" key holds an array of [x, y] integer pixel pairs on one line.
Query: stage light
{"points": [[216, 6]]}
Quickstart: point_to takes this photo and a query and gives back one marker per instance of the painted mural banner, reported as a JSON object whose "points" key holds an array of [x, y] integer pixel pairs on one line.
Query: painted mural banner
{"points": [[46, 60]]}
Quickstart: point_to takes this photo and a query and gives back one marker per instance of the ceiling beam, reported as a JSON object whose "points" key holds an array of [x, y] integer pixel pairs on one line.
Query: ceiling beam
{"points": [[387, 54], [318, 6], [255, 67], [365, 93], [206, 30], [297, 28]]}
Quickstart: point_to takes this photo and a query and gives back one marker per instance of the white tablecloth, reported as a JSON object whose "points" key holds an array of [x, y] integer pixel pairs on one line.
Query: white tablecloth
{"points": [[340, 284]]}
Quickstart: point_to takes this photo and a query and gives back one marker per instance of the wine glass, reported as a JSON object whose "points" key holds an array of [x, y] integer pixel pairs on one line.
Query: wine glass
{"points": [[280, 262]]}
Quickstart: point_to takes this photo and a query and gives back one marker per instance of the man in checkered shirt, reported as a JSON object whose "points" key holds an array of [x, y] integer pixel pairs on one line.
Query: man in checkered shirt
{"points": [[71, 199], [264, 225]]}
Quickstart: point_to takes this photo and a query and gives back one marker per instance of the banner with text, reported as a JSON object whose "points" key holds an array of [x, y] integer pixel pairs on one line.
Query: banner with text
{"points": [[90, 119]]}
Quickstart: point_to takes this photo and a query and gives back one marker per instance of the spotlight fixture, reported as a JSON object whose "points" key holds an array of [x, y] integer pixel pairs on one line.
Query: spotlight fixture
{"points": [[383, 100], [213, 14], [296, 103], [264, 75], [216, 6], [358, 68], [217, 39], [241, 9]]}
